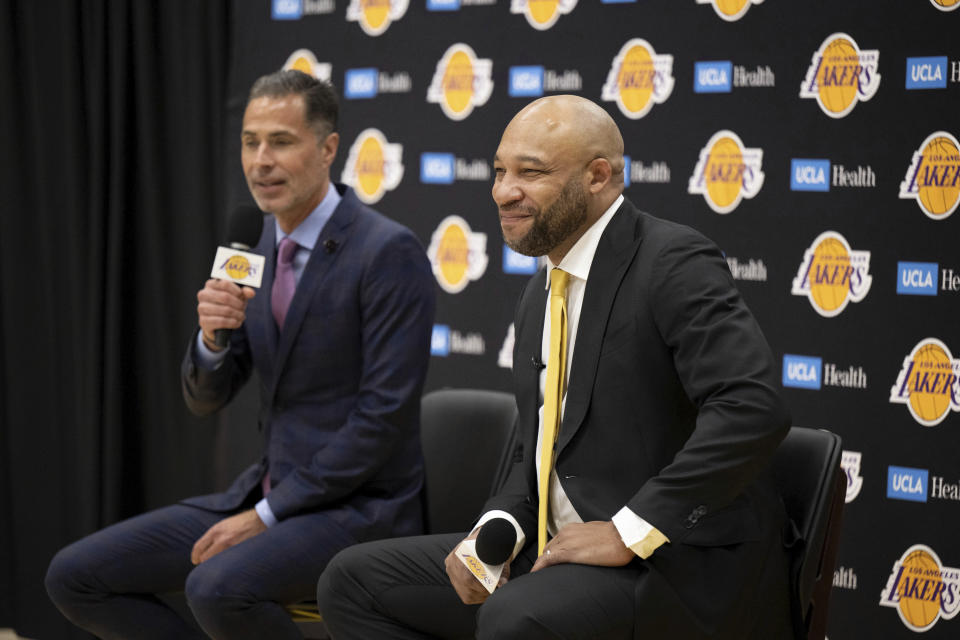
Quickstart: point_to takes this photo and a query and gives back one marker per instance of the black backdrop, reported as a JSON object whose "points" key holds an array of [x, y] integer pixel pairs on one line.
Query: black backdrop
{"points": [[121, 160]]}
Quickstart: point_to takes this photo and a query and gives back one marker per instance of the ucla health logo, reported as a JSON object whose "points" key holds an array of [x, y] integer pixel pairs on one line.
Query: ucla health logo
{"points": [[445, 341], [375, 16], [905, 483], [532, 81], [638, 78], [458, 255], [840, 75], [444, 168], [542, 14], [945, 5], [921, 589], [304, 60], [832, 274], [801, 372], [296, 9], [518, 263], [917, 278], [374, 166], [713, 76], [933, 177], [928, 382], [927, 73], [461, 82], [850, 463], [369, 82], [730, 10], [809, 175], [727, 172]]}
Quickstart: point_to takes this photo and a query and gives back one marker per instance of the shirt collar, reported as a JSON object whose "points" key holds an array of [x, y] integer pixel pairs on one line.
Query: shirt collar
{"points": [[308, 231], [578, 260]]}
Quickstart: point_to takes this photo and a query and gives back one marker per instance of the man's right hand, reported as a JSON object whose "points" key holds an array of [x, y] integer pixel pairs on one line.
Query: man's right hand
{"points": [[221, 305], [470, 590]]}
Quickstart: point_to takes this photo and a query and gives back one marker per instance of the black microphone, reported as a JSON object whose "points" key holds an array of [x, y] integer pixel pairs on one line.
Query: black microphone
{"points": [[495, 541], [537, 363], [243, 232]]}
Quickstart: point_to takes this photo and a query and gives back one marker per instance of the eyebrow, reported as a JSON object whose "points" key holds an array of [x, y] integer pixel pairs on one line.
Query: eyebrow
{"points": [[530, 159]]}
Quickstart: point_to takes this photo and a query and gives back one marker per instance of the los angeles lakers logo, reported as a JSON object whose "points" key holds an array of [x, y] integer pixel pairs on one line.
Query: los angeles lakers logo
{"points": [[375, 16], [458, 255], [945, 5], [832, 275], [542, 14], [638, 78], [933, 177], [461, 82], [727, 172], [929, 383], [921, 589], [730, 10], [237, 267], [373, 166], [304, 60], [841, 75]]}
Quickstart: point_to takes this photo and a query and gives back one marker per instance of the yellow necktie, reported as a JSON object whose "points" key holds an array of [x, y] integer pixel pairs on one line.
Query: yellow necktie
{"points": [[553, 393]]}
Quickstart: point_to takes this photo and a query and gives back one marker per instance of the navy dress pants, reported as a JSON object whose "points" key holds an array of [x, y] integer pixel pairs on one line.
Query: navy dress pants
{"points": [[107, 582]]}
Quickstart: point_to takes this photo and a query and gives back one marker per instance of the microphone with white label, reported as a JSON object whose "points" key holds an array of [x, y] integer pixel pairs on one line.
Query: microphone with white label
{"points": [[488, 552], [235, 263]]}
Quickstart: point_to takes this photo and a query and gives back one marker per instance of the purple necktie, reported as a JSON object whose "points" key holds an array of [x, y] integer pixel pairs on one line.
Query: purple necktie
{"points": [[284, 283]]}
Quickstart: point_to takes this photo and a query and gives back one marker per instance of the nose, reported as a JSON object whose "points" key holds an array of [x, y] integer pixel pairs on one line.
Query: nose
{"points": [[262, 156], [506, 190]]}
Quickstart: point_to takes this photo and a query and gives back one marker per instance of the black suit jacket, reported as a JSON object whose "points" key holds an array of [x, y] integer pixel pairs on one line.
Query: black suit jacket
{"points": [[671, 409]]}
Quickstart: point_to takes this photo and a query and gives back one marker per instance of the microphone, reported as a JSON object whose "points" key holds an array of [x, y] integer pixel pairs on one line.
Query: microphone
{"points": [[537, 364], [485, 555], [234, 262]]}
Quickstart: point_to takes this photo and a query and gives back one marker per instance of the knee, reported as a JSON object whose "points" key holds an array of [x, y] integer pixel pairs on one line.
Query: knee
{"points": [[504, 617], [209, 593], [68, 577], [338, 572]]}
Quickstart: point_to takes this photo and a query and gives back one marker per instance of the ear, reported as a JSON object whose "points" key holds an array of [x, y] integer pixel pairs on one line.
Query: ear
{"points": [[599, 172], [329, 148]]}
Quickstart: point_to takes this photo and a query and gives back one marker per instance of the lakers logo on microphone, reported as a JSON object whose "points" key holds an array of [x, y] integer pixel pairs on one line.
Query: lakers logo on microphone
{"points": [[375, 16], [542, 14], [730, 10], [832, 275], [921, 589], [840, 75], [304, 60], [461, 82], [928, 383], [373, 166], [727, 172], [638, 78], [933, 177]]}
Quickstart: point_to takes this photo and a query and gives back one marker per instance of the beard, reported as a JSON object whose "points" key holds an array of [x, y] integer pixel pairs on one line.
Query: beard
{"points": [[556, 223]]}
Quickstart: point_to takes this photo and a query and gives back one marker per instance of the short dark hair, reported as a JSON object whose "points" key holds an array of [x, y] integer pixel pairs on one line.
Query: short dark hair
{"points": [[319, 97]]}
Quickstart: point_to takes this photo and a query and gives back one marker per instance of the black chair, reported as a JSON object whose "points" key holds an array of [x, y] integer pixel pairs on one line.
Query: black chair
{"points": [[808, 474]]}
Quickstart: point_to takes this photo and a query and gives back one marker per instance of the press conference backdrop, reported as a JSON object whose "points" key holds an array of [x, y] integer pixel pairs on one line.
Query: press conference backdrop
{"points": [[815, 142]]}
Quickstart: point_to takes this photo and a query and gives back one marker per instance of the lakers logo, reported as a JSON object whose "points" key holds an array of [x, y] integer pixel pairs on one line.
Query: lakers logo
{"points": [[929, 383], [373, 166], [727, 172], [375, 16], [840, 75], [458, 255], [461, 82], [730, 10], [933, 177], [542, 14], [304, 60], [921, 589], [237, 267], [638, 79], [946, 5], [832, 274]]}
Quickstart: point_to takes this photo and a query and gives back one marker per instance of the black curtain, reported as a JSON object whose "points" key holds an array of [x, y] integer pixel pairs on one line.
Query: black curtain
{"points": [[112, 178]]}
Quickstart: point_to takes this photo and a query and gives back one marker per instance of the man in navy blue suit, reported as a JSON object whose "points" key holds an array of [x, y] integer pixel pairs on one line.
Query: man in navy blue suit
{"points": [[341, 368]]}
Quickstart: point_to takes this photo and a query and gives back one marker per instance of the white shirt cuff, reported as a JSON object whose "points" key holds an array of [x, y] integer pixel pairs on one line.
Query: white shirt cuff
{"points": [[637, 534], [265, 513], [497, 513], [206, 357]]}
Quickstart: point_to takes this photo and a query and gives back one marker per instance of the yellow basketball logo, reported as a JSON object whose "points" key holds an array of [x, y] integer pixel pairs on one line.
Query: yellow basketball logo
{"points": [[237, 267], [840, 75], [375, 16], [727, 172], [832, 275], [461, 82], [638, 78], [928, 383], [933, 177], [946, 5], [730, 10], [458, 255], [542, 14], [304, 60], [921, 589], [374, 166]]}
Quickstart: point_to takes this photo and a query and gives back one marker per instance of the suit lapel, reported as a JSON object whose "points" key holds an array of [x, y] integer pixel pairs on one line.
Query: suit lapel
{"points": [[526, 356], [615, 251]]}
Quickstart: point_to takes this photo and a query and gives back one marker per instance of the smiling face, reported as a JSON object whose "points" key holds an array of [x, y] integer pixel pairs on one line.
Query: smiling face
{"points": [[287, 165]]}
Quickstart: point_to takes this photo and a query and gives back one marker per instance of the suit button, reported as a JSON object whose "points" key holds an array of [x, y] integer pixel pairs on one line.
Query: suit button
{"points": [[700, 511]]}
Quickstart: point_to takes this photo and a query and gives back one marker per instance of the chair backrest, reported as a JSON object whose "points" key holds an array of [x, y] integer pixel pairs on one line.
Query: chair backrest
{"points": [[467, 435], [808, 475]]}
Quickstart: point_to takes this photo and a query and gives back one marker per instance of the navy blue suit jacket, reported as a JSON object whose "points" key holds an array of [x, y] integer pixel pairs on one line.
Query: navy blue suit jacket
{"points": [[340, 386]]}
